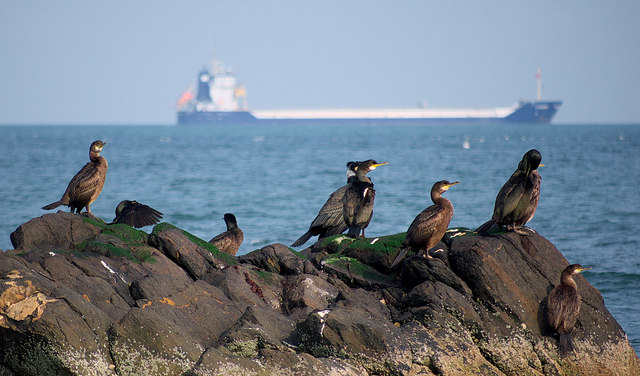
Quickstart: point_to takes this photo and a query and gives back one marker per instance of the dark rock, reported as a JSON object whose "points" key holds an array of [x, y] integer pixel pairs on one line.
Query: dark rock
{"points": [[246, 285], [258, 328], [193, 258], [158, 279], [419, 269], [310, 291], [276, 258], [109, 299], [54, 232], [440, 296], [302, 364], [354, 273], [144, 342], [342, 331], [192, 308], [221, 361], [372, 302]]}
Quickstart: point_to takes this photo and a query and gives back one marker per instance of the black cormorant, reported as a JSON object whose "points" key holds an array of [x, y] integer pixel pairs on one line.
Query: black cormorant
{"points": [[563, 306], [136, 214], [428, 228], [518, 198], [230, 240], [86, 185], [358, 199], [329, 220]]}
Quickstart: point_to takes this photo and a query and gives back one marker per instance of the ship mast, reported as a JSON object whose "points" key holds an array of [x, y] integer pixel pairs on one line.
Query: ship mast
{"points": [[539, 81]]}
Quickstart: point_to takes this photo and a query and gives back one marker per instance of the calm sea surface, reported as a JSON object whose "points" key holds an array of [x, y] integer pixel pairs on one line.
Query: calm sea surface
{"points": [[275, 178]]}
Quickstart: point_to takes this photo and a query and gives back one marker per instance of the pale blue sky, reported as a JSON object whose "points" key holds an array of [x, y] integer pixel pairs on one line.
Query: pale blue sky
{"points": [[126, 62]]}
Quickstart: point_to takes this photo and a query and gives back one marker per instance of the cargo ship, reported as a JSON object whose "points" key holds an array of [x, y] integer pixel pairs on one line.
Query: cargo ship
{"points": [[220, 99]]}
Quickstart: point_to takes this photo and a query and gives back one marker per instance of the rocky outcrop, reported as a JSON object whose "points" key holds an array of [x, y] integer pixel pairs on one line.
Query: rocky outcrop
{"points": [[81, 297]]}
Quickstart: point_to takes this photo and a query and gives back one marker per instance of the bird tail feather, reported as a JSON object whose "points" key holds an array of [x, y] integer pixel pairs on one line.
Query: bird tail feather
{"points": [[303, 239], [354, 231], [53, 205], [566, 342], [486, 227], [399, 258]]}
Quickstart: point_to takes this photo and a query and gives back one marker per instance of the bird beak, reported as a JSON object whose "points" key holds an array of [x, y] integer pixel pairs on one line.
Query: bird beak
{"points": [[541, 165], [373, 167], [583, 269], [452, 184]]}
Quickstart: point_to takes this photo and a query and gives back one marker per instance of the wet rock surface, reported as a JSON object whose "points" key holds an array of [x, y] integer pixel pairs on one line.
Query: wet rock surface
{"points": [[81, 297]]}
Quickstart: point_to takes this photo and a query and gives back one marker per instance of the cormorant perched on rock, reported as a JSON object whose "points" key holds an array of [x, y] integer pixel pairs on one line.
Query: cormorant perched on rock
{"points": [[86, 185], [518, 198], [136, 214], [230, 240], [428, 228], [563, 306], [358, 199], [330, 220]]}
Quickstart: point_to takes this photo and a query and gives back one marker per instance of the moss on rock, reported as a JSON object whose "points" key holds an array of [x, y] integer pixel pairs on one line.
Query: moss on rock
{"points": [[118, 240], [389, 244], [219, 255]]}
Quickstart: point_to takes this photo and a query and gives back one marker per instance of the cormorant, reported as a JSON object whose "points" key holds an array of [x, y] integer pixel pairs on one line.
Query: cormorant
{"points": [[518, 198], [230, 240], [329, 220], [86, 185], [136, 214], [358, 199], [429, 226], [563, 306]]}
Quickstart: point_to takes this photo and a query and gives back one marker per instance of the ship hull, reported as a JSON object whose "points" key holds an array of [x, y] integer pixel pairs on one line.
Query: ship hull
{"points": [[540, 112]]}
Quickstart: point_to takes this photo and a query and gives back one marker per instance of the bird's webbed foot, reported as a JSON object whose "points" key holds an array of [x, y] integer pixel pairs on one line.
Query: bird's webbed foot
{"points": [[521, 230], [429, 257]]}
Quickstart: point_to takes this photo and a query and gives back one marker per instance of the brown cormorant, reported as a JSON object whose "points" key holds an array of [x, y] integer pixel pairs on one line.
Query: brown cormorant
{"points": [[230, 240], [86, 185], [358, 199], [136, 214], [428, 228], [563, 306], [518, 198], [329, 220]]}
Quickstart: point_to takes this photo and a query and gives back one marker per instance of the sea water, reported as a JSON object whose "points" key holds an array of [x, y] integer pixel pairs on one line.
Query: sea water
{"points": [[275, 178]]}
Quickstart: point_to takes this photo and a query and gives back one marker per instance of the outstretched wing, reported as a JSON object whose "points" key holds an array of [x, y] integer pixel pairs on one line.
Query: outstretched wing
{"points": [[139, 215]]}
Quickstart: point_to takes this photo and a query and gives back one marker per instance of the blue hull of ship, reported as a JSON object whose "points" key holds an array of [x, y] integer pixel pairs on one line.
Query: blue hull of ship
{"points": [[541, 112]]}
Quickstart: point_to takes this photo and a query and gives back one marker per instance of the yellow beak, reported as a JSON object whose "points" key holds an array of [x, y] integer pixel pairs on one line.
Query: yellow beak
{"points": [[374, 166]]}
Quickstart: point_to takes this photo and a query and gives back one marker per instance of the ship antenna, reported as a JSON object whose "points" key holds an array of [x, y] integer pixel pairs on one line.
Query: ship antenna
{"points": [[539, 81]]}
